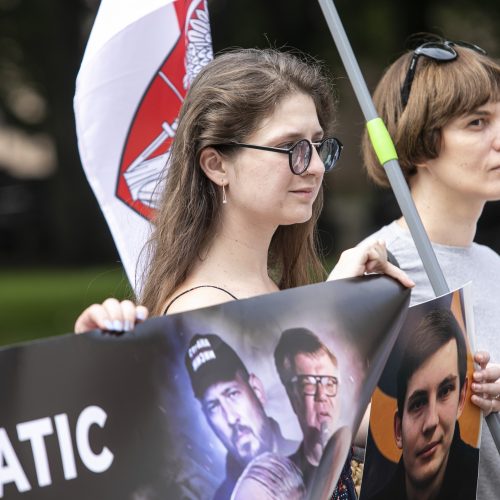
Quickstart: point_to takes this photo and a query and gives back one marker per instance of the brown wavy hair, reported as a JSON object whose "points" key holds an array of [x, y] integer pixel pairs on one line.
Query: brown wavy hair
{"points": [[441, 91], [227, 101]]}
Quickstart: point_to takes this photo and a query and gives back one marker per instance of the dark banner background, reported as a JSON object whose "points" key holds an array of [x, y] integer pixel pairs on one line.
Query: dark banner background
{"points": [[161, 443]]}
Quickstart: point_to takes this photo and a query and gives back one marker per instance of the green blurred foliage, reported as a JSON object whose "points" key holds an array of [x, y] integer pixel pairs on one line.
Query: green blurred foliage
{"points": [[39, 303]]}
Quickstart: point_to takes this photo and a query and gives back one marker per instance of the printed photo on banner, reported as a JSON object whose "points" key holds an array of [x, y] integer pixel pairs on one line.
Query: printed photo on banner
{"points": [[267, 385], [424, 431], [215, 403]]}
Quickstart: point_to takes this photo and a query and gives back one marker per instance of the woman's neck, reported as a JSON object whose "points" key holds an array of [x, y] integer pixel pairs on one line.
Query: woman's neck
{"points": [[237, 259], [449, 218]]}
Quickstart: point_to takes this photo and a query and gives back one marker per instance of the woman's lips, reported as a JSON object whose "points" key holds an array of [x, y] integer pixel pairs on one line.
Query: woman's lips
{"points": [[306, 192]]}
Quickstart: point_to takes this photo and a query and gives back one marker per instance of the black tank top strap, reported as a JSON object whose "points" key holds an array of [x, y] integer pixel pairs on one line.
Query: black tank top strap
{"points": [[195, 288]]}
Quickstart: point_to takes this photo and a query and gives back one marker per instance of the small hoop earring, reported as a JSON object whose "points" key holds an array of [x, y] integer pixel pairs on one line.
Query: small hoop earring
{"points": [[224, 199]]}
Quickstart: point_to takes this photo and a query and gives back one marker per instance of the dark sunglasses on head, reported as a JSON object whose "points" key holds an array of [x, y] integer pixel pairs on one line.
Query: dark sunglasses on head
{"points": [[300, 153], [438, 51]]}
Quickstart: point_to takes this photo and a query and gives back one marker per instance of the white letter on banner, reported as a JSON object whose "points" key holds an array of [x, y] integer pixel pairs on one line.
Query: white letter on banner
{"points": [[95, 463], [65, 446], [35, 432], [10, 468]]}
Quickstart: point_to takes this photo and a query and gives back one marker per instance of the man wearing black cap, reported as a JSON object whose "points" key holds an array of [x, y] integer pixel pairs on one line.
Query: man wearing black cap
{"points": [[232, 400]]}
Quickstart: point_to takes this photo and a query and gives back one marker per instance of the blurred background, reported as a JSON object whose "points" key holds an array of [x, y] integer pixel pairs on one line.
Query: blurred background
{"points": [[56, 252]]}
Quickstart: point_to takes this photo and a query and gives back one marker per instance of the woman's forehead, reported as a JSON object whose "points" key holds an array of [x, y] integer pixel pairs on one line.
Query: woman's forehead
{"points": [[293, 116]]}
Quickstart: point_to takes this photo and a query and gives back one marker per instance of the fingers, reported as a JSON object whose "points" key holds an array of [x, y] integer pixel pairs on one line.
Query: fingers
{"points": [[93, 317], [112, 315], [482, 358], [490, 390], [141, 314], [378, 263], [350, 264], [397, 273], [486, 404], [367, 259], [486, 384], [359, 260], [487, 375], [377, 251]]}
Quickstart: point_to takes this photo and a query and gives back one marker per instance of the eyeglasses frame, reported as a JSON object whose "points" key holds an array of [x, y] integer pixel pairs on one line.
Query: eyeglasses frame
{"points": [[289, 151]]}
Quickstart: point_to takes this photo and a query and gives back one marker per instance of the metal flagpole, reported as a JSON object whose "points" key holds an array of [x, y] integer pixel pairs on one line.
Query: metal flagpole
{"points": [[386, 153]]}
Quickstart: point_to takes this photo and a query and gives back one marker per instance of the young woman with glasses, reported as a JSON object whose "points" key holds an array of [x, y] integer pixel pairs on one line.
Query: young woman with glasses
{"points": [[243, 193], [441, 104]]}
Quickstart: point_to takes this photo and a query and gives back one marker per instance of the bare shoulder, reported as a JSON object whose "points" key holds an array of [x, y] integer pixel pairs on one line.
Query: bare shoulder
{"points": [[196, 298]]}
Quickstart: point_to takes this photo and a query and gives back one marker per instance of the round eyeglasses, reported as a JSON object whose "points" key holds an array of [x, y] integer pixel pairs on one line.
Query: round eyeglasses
{"points": [[308, 384], [438, 51], [300, 153]]}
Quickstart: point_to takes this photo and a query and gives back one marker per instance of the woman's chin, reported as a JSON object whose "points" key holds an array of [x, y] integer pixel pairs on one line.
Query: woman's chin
{"points": [[299, 219]]}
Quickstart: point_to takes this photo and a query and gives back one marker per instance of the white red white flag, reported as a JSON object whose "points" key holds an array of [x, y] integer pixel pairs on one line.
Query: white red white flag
{"points": [[139, 61]]}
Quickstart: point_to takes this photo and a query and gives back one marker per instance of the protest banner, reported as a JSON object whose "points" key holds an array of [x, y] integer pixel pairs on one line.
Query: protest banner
{"points": [[190, 405]]}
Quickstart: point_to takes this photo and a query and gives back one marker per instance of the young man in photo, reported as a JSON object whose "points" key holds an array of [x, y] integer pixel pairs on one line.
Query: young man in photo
{"points": [[431, 393]]}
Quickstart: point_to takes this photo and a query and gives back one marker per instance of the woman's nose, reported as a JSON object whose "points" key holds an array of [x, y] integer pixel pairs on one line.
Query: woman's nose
{"points": [[316, 166]]}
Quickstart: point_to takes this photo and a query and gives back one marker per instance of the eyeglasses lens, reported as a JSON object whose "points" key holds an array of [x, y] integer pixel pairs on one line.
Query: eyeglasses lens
{"points": [[310, 383], [301, 156], [329, 152], [437, 51]]}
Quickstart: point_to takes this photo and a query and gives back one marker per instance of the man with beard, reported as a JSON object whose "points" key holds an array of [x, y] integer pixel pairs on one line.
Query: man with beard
{"points": [[431, 394], [232, 400], [309, 373]]}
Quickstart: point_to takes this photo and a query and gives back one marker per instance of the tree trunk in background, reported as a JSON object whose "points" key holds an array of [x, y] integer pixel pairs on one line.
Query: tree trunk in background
{"points": [[78, 232]]}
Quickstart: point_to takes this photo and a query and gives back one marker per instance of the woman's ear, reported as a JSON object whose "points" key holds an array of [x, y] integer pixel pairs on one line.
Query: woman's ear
{"points": [[421, 171], [212, 164], [421, 164]]}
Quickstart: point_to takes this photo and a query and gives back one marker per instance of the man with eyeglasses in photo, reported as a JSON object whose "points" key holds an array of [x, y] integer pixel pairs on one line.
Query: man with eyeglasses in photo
{"points": [[309, 372], [232, 400]]}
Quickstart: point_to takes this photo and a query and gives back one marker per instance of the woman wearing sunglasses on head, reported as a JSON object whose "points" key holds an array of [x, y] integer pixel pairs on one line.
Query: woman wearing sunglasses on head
{"points": [[441, 104], [243, 194]]}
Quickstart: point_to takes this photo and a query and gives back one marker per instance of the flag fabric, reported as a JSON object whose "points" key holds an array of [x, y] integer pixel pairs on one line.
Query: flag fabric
{"points": [[138, 64]]}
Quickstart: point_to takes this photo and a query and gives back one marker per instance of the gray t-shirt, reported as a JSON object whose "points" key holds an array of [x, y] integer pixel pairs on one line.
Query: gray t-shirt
{"points": [[481, 265]]}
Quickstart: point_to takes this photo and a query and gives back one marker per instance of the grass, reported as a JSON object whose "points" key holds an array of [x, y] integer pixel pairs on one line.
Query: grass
{"points": [[40, 303]]}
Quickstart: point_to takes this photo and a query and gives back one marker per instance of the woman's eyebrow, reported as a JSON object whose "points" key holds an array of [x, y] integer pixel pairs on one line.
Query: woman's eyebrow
{"points": [[295, 135], [479, 112]]}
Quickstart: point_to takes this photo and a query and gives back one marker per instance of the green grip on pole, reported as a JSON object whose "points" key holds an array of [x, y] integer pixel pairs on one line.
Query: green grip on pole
{"points": [[381, 141]]}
